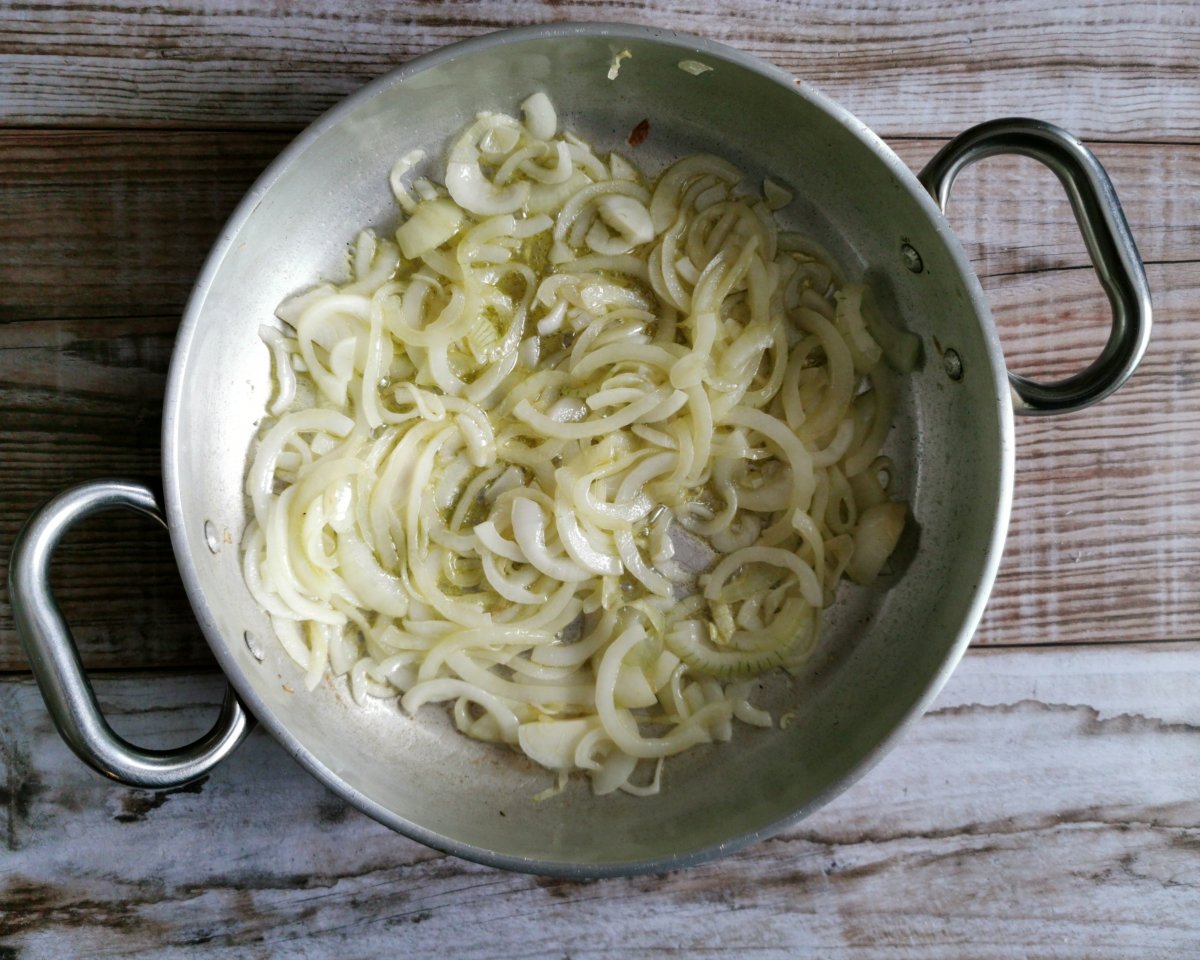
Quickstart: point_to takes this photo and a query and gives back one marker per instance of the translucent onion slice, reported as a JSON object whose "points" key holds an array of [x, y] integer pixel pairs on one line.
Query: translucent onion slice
{"points": [[529, 529]]}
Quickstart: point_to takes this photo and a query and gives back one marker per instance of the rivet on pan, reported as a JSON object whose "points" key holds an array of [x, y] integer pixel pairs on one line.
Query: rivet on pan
{"points": [[211, 537], [953, 364], [911, 258], [252, 645]]}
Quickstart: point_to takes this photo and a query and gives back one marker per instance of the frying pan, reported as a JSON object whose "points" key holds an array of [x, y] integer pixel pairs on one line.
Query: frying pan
{"points": [[886, 650]]}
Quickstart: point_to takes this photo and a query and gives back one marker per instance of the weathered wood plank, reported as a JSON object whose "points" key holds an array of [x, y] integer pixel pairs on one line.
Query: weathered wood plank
{"points": [[1105, 538], [1103, 545], [1045, 808], [1104, 542], [1013, 217], [115, 224], [82, 400], [130, 219], [1105, 67]]}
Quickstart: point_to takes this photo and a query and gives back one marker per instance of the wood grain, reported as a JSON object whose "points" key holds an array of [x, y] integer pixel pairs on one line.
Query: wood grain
{"points": [[1104, 541], [1013, 217], [103, 224], [133, 218], [82, 400], [1104, 67], [1105, 537], [1044, 808]]}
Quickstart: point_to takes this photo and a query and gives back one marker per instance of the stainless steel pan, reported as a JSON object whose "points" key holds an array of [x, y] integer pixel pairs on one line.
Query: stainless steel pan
{"points": [[887, 650]]}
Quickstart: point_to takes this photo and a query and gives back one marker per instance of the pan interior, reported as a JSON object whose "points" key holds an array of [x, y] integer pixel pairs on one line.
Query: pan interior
{"points": [[885, 650]]}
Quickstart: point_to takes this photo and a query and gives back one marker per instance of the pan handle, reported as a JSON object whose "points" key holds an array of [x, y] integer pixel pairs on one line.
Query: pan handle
{"points": [[1105, 231], [55, 659]]}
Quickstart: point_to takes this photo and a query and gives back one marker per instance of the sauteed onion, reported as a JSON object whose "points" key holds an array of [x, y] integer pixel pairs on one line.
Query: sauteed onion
{"points": [[578, 453]]}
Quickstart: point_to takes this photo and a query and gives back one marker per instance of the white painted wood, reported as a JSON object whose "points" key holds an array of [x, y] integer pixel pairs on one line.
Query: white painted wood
{"points": [[1048, 806], [1106, 68], [1094, 507]]}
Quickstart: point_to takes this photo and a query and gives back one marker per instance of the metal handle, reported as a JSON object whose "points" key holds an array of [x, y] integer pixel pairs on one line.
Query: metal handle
{"points": [[1105, 231], [56, 665]]}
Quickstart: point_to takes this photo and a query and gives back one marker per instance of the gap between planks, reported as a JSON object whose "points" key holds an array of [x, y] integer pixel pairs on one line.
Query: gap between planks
{"points": [[294, 130]]}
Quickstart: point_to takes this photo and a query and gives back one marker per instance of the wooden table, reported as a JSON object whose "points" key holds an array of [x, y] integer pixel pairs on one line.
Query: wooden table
{"points": [[1049, 803]]}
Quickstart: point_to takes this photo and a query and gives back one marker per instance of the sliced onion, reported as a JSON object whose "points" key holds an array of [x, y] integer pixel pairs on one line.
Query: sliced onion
{"points": [[552, 743], [519, 407], [579, 548], [529, 528], [875, 539]]}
